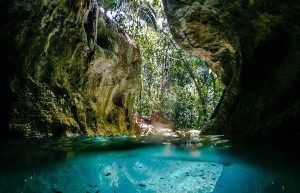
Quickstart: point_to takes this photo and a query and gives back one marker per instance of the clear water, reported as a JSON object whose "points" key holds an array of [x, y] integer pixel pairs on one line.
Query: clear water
{"points": [[206, 164]]}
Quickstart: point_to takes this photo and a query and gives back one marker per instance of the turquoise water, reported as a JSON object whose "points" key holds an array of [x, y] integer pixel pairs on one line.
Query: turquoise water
{"points": [[207, 164]]}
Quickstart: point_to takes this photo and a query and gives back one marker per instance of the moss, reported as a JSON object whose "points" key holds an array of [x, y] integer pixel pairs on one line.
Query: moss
{"points": [[63, 86]]}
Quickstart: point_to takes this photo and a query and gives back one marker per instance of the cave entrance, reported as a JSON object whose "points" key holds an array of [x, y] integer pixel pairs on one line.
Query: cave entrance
{"points": [[179, 92]]}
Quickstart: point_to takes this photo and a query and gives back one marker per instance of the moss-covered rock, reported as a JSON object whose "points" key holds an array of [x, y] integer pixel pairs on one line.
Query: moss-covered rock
{"points": [[72, 61], [253, 47]]}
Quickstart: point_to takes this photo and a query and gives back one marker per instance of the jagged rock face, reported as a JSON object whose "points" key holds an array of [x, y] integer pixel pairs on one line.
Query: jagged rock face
{"points": [[253, 47], [76, 72]]}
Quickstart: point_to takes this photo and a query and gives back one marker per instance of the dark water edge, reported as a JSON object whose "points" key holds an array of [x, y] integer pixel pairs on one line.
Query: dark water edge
{"points": [[150, 164]]}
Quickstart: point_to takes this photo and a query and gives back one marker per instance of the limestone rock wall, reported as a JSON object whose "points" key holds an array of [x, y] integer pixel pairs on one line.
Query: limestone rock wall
{"points": [[253, 47], [75, 71]]}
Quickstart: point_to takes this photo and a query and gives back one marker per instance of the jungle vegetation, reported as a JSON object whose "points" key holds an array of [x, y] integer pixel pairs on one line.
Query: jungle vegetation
{"points": [[174, 82]]}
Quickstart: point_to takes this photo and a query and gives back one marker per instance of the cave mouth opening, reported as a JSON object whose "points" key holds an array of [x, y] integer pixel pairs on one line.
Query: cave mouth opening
{"points": [[177, 85]]}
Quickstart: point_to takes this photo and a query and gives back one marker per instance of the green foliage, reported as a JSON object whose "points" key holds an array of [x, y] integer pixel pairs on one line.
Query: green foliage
{"points": [[167, 82], [132, 11]]}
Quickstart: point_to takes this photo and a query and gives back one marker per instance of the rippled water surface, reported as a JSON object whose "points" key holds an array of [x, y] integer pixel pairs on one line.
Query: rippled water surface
{"points": [[103, 164]]}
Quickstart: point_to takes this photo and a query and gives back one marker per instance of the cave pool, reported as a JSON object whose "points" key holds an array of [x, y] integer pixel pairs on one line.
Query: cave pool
{"points": [[149, 164]]}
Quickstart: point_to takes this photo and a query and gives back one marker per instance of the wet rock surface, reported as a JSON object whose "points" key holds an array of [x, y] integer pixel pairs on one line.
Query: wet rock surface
{"points": [[75, 71], [158, 120], [159, 125], [253, 47]]}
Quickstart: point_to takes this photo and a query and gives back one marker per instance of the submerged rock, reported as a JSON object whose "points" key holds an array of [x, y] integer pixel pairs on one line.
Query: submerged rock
{"points": [[253, 47], [75, 72]]}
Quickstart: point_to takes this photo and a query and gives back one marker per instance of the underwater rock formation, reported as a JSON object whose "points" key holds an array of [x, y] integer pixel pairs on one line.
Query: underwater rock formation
{"points": [[74, 71], [253, 47]]}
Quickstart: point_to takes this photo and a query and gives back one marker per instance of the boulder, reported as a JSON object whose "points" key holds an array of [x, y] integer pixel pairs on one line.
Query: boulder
{"points": [[187, 133], [158, 120]]}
